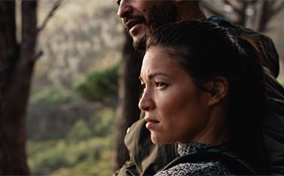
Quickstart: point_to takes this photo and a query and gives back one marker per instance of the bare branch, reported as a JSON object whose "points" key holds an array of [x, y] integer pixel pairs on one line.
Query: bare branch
{"points": [[279, 7], [269, 9], [37, 56], [50, 14]]}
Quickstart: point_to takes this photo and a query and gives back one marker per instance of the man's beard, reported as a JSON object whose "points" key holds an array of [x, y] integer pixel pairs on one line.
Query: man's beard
{"points": [[140, 45], [159, 15]]}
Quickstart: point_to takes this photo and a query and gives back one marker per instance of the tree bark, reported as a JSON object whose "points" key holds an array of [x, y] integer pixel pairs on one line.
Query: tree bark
{"points": [[268, 10], [17, 64], [129, 92]]}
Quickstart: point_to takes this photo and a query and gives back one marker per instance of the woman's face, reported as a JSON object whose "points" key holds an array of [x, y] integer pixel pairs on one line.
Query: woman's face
{"points": [[175, 109]]}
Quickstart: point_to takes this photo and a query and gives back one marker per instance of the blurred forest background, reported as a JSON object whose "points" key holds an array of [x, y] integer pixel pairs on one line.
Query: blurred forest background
{"points": [[71, 118]]}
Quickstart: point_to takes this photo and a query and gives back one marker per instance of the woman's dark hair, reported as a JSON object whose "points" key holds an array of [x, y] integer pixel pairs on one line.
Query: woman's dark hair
{"points": [[205, 50]]}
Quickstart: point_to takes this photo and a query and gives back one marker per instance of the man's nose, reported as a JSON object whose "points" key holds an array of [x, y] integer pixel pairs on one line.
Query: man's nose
{"points": [[124, 8], [146, 102]]}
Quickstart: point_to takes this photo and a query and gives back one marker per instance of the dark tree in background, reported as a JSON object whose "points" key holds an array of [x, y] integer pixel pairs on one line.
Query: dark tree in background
{"points": [[16, 67], [17, 61], [129, 90], [269, 10]]}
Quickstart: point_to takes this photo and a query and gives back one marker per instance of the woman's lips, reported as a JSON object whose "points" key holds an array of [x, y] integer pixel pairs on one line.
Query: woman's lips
{"points": [[151, 122]]}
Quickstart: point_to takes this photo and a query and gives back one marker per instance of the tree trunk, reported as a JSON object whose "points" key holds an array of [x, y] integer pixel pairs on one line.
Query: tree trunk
{"points": [[129, 92], [241, 14], [17, 63]]}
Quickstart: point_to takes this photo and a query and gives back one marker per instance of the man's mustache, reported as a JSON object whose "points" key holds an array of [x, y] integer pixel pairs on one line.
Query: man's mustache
{"points": [[134, 18]]}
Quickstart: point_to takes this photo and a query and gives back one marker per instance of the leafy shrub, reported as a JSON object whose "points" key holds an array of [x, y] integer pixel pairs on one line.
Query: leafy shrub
{"points": [[102, 124], [48, 158], [80, 131], [50, 94], [281, 80], [100, 85], [62, 157], [52, 113]]}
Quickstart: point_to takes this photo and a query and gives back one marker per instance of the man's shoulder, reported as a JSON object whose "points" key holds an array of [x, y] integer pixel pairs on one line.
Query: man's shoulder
{"points": [[264, 42], [227, 24]]}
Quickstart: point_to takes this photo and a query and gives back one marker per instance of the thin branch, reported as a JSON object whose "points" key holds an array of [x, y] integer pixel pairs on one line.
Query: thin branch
{"points": [[50, 14], [279, 7], [36, 56], [273, 11]]}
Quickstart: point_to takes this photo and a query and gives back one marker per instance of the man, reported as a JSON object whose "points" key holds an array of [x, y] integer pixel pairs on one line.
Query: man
{"points": [[140, 17]]}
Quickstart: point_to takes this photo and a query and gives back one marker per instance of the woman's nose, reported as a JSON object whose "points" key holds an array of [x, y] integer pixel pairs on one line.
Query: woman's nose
{"points": [[124, 8], [146, 102]]}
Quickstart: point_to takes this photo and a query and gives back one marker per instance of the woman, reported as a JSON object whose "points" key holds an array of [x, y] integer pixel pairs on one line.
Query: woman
{"points": [[204, 87]]}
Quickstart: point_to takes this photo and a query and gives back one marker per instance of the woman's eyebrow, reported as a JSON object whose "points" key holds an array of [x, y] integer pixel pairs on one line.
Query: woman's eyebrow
{"points": [[152, 75]]}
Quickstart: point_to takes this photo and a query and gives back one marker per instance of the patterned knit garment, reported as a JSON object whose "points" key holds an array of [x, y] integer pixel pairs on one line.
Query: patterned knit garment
{"points": [[204, 168]]}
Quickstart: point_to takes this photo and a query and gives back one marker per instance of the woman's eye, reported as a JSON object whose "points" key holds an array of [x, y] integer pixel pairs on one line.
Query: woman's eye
{"points": [[161, 85]]}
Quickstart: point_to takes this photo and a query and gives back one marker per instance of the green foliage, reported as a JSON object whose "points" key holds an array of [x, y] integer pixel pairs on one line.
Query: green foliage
{"points": [[281, 80], [100, 85], [101, 167], [66, 134], [67, 158], [52, 112], [101, 124], [87, 149], [80, 131], [45, 156], [50, 95]]}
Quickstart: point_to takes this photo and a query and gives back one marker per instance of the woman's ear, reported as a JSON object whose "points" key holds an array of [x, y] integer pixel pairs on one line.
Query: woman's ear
{"points": [[218, 89]]}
